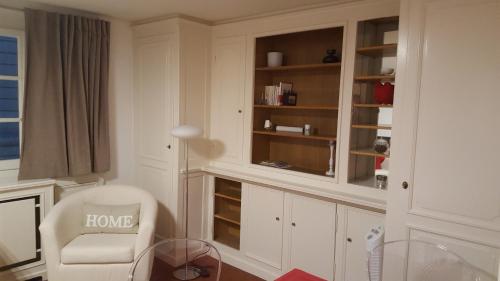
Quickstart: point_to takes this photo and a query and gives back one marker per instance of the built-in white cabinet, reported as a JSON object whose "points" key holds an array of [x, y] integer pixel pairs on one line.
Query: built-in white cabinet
{"points": [[154, 95], [262, 226], [351, 254], [444, 177], [226, 116], [310, 235], [166, 79]]}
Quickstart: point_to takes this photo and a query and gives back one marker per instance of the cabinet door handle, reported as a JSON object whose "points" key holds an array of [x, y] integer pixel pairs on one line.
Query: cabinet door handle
{"points": [[293, 224], [240, 111], [277, 218], [404, 185], [349, 240], [168, 146]]}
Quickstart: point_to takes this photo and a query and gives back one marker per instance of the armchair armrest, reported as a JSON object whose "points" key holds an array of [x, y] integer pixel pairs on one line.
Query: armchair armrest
{"points": [[61, 226], [147, 223]]}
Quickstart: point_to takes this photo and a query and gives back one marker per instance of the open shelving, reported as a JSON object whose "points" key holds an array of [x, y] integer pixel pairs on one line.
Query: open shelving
{"points": [[227, 212], [317, 86], [376, 48]]}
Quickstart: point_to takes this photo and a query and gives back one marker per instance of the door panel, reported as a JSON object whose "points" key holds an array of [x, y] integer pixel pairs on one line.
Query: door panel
{"points": [[359, 222], [153, 120], [458, 116], [227, 99], [263, 224], [19, 236], [312, 235]]}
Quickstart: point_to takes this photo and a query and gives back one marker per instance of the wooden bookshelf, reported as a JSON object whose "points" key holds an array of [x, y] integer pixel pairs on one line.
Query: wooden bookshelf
{"points": [[374, 78], [372, 127], [313, 66], [318, 89], [229, 217], [295, 135], [375, 50], [227, 212], [297, 107], [227, 197], [371, 105], [368, 152], [378, 50]]}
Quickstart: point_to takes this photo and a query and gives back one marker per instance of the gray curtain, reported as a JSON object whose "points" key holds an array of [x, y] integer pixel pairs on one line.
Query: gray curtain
{"points": [[65, 129]]}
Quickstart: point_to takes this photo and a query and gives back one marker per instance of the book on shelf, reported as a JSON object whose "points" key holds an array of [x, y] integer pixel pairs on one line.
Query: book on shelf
{"points": [[274, 95]]}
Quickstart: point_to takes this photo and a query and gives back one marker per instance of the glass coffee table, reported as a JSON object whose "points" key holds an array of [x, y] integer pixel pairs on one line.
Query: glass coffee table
{"points": [[166, 260]]}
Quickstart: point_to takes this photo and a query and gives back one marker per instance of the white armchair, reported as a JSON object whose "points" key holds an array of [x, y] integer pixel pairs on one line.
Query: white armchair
{"points": [[99, 257]]}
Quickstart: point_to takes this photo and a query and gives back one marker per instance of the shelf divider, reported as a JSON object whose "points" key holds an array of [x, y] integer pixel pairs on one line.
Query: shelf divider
{"points": [[295, 135], [300, 67]]}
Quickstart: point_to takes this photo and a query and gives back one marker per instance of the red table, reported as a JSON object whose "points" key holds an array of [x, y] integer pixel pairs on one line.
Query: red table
{"points": [[299, 275]]}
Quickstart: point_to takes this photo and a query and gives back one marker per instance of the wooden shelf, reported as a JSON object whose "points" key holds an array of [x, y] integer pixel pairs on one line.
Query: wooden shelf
{"points": [[374, 78], [231, 217], [368, 152], [297, 107], [369, 105], [295, 135], [301, 67], [228, 197], [379, 50], [228, 239], [372, 127]]}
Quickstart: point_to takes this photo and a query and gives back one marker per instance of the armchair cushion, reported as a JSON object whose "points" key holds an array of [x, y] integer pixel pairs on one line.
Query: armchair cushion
{"points": [[102, 248]]}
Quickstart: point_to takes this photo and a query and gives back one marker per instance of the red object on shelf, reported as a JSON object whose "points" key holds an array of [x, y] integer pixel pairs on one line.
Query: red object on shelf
{"points": [[384, 93], [378, 162], [299, 275]]}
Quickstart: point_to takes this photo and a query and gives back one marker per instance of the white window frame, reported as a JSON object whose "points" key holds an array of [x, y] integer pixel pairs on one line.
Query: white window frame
{"points": [[19, 35]]}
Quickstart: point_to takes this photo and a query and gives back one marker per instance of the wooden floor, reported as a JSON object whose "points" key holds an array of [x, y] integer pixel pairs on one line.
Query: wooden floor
{"points": [[163, 272]]}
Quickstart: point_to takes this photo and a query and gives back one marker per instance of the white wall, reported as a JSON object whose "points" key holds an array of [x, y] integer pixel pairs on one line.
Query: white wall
{"points": [[120, 94], [121, 107]]}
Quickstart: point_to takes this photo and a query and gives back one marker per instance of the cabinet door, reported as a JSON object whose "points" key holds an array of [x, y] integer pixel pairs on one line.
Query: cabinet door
{"points": [[355, 224], [311, 235], [450, 110], [228, 85], [154, 90], [263, 224], [446, 121]]}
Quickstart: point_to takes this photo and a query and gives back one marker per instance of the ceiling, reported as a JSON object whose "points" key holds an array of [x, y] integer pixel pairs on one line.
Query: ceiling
{"points": [[209, 10]]}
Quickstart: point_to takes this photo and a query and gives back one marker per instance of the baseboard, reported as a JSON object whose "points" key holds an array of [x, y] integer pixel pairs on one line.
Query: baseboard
{"points": [[237, 260]]}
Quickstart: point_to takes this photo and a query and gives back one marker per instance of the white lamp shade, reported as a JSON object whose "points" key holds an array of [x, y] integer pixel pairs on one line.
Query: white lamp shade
{"points": [[186, 132]]}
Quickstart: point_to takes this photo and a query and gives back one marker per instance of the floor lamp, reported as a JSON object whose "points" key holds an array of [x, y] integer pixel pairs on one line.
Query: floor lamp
{"points": [[186, 132]]}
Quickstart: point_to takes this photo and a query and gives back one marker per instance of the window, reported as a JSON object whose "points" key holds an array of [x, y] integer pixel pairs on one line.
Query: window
{"points": [[11, 90]]}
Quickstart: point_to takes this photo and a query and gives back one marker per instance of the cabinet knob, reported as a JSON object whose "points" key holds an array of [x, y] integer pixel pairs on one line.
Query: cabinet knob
{"points": [[240, 111], [293, 224], [349, 240], [277, 218], [168, 146], [404, 185]]}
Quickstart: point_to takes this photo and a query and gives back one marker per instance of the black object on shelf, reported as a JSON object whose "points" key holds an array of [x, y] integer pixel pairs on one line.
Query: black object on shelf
{"points": [[331, 56], [290, 98]]}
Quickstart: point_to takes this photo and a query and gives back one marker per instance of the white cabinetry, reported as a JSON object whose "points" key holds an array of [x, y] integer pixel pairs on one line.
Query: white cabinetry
{"points": [[310, 235], [166, 80], [226, 117], [22, 208], [447, 119], [262, 226], [351, 254], [154, 107]]}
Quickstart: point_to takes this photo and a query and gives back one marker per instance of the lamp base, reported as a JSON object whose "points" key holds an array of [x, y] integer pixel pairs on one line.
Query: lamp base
{"points": [[186, 273]]}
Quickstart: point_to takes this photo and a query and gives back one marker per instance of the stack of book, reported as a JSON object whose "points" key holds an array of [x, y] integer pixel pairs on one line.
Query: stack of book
{"points": [[274, 95]]}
